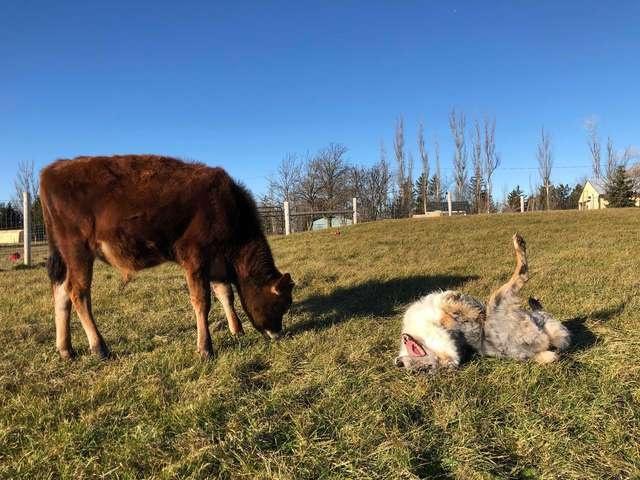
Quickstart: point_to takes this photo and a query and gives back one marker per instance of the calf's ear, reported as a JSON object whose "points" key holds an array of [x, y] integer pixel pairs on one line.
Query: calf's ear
{"points": [[283, 285]]}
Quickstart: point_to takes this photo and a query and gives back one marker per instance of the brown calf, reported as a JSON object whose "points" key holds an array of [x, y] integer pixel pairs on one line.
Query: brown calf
{"points": [[137, 211]]}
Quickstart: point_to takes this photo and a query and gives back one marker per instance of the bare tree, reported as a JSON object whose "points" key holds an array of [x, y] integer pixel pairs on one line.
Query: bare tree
{"points": [[593, 140], [545, 163], [437, 183], [309, 189], [380, 179], [332, 171], [284, 184], [634, 174], [373, 187], [491, 158], [478, 173], [424, 156], [26, 181], [612, 159], [457, 124], [403, 169], [408, 186], [630, 153]]}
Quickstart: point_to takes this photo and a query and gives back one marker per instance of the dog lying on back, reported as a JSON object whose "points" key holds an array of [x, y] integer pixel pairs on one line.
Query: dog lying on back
{"points": [[438, 328]]}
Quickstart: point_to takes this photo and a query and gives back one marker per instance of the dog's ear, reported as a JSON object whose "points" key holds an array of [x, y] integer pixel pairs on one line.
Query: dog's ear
{"points": [[413, 347]]}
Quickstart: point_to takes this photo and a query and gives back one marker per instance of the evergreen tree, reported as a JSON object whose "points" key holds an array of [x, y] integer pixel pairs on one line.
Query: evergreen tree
{"points": [[513, 199], [560, 194], [417, 194], [477, 193], [435, 189], [574, 197], [620, 189]]}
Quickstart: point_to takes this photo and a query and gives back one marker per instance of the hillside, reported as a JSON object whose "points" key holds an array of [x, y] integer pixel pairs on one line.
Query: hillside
{"points": [[327, 402]]}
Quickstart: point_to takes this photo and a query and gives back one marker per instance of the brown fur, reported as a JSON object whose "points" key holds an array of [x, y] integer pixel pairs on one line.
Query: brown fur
{"points": [[138, 211]]}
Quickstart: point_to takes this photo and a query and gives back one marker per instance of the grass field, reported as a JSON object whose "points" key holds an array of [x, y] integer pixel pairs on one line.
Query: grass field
{"points": [[327, 402]]}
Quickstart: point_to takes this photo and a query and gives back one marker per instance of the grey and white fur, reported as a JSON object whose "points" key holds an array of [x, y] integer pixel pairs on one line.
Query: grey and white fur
{"points": [[440, 326]]}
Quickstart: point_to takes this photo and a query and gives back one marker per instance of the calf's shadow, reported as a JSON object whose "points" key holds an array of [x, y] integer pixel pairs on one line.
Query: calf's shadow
{"points": [[378, 298]]}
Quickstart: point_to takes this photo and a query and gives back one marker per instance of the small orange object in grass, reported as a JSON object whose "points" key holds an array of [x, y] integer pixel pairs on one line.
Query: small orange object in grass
{"points": [[337, 233]]}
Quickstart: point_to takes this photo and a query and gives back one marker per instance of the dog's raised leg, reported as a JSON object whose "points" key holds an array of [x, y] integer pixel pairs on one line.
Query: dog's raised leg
{"points": [[509, 291]]}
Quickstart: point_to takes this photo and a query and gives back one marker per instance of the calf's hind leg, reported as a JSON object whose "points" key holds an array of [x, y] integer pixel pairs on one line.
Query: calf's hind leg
{"points": [[78, 285]]}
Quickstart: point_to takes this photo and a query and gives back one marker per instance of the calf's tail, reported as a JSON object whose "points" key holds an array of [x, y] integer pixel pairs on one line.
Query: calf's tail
{"points": [[56, 268]]}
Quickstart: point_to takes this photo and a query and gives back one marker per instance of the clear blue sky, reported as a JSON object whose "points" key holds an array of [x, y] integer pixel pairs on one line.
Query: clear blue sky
{"points": [[239, 84]]}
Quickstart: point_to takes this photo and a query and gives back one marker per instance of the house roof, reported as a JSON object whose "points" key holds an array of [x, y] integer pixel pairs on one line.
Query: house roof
{"points": [[598, 185]]}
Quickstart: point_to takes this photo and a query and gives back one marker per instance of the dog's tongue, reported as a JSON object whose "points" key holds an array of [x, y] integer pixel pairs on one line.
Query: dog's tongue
{"points": [[413, 347]]}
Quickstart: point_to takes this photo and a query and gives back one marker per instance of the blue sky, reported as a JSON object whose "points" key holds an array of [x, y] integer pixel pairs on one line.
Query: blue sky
{"points": [[239, 84]]}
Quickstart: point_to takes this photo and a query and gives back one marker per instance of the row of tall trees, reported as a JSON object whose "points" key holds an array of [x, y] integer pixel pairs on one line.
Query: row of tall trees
{"points": [[476, 189], [327, 181]]}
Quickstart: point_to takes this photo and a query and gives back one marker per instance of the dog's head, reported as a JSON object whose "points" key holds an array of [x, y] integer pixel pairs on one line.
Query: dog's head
{"points": [[414, 356]]}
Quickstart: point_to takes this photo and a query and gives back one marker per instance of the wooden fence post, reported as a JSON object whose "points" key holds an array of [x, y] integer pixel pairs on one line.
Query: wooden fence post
{"points": [[287, 224], [521, 203], [449, 202], [26, 227], [355, 211]]}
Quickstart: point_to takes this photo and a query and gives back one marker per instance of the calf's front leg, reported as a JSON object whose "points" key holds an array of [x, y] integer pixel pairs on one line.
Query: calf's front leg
{"points": [[200, 295], [224, 294]]}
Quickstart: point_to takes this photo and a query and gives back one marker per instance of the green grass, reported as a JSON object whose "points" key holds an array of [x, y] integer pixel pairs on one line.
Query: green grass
{"points": [[327, 401]]}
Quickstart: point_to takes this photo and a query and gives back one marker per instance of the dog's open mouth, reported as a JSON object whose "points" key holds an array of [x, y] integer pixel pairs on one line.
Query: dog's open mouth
{"points": [[413, 347]]}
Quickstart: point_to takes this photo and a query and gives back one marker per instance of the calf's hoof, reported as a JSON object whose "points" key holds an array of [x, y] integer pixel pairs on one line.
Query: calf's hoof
{"points": [[238, 333], [205, 353], [101, 351], [67, 354]]}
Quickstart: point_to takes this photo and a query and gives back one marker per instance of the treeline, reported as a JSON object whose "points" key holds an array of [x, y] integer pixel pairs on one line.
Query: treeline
{"points": [[10, 217], [561, 197], [326, 180]]}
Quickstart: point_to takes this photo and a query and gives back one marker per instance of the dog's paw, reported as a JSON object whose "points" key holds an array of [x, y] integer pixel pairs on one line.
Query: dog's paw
{"points": [[519, 243]]}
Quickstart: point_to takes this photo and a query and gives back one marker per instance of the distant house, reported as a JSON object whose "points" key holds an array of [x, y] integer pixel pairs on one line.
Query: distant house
{"points": [[337, 221], [594, 196]]}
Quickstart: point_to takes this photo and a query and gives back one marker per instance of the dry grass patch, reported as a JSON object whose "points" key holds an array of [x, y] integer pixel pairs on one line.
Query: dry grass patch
{"points": [[326, 402]]}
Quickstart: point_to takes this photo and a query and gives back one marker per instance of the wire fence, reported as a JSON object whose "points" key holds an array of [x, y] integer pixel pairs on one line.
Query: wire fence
{"points": [[283, 219], [272, 219], [12, 234]]}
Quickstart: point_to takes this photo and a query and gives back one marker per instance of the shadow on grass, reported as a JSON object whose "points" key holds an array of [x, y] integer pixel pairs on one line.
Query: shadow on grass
{"points": [[607, 314], [582, 337], [22, 266], [379, 298], [428, 464]]}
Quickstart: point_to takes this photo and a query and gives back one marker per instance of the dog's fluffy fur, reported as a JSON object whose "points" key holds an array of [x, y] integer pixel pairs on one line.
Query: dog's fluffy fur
{"points": [[444, 324]]}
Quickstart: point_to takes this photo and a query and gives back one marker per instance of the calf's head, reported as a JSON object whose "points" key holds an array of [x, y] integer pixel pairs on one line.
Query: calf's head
{"points": [[265, 305]]}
